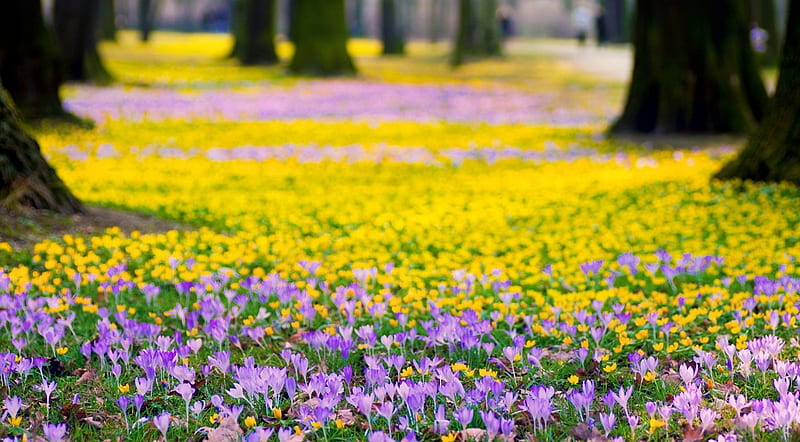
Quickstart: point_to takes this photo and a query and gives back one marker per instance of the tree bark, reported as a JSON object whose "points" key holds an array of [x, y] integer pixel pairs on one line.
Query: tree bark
{"points": [[75, 23], [255, 34], [108, 20], [147, 18], [773, 152], [436, 18], [357, 19], [764, 14], [392, 28], [616, 17], [320, 28], [26, 180], [478, 34], [29, 65], [694, 70]]}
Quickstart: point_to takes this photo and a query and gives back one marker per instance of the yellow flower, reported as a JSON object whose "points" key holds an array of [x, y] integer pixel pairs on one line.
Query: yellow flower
{"points": [[450, 437], [277, 413], [650, 376], [487, 372], [459, 366], [250, 422], [62, 350], [408, 371], [15, 421], [610, 368], [214, 418], [658, 347], [124, 389], [655, 424], [573, 379], [339, 424]]}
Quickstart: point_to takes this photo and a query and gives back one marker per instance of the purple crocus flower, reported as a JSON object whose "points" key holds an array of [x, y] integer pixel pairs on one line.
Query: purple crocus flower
{"points": [[54, 432], [162, 423]]}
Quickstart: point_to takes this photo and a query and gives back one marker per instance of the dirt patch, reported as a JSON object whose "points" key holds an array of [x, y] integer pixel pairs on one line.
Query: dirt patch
{"points": [[23, 230]]}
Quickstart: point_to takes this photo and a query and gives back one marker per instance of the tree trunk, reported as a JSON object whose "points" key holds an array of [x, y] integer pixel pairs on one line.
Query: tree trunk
{"points": [[436, 18], [26, 180], [320, 28], [291, 12], [357, 19], [694, 70], [478, 33], [29, 67], [764, 14], [147, 18], [255, 35], [75, 24], [616, 16], [108, 20], [392, 32], [773, 152]]}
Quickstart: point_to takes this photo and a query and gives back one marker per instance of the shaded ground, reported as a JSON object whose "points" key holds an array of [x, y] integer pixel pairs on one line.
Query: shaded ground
{"points": [[23, 230]]}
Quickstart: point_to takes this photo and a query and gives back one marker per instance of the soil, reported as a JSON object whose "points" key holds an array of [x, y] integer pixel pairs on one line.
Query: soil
{"points": [[24, 229]]}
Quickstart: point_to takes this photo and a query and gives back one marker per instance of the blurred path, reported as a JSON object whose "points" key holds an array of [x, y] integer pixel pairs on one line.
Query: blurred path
{"points": [[610, 62]]}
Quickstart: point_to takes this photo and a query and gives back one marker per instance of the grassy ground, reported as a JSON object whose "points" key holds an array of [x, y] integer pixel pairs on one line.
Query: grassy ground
{"points": [[416, 252]]}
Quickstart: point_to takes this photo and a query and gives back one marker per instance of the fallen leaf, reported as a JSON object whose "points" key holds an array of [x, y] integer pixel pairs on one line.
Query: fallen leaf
{"points": [[86, 376], [227, 431], [692, 434], [582, 431], [346, 416]]}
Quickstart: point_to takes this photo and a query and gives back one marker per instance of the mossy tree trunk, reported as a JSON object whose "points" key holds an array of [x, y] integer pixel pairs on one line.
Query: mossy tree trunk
{"points": [[75, 23], [29, 64], [108, 20], [773, 152], [320, 37], [26, 180], [147, 10], [392, 28], [478, 34], [694, 70], [255, 31]]}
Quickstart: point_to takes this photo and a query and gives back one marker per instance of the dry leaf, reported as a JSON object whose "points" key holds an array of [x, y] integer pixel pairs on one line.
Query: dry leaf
{"points": [[227, 431], [85, 376], [346, 416], [479, 434], [692, 434]]}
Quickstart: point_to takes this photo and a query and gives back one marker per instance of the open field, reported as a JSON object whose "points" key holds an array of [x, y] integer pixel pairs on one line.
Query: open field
{"points": [[415, 253]]}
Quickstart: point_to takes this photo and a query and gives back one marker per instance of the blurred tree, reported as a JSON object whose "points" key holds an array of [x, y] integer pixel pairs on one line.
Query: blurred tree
{"points": [[26, 180], [763, 13], [75, 23], [478, 33], [108, 20], [436, 17], [147, 17], [392, 27], [773, 152], [29, 66], [616, 20], [357, 19], [694, 70], [320, 38], [254, 31]]}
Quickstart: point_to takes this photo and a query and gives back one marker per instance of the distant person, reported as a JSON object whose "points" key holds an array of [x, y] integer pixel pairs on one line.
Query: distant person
{"points": [[758, 38], [582, 18], [504, 17], [601, 24]]}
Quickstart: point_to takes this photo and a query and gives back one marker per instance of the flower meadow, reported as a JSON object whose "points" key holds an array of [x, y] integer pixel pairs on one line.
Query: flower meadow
{"points": [[411, 269]]}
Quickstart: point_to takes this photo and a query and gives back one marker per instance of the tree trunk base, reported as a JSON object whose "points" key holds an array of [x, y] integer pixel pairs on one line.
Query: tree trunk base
{"points": [[26, 180]]}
